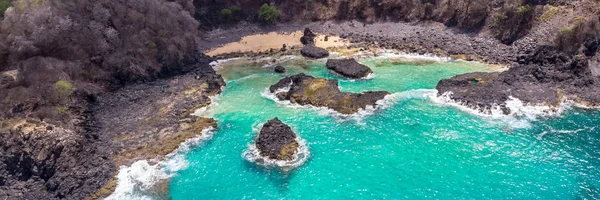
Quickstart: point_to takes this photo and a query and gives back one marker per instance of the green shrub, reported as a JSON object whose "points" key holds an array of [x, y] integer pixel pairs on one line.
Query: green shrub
{"points": [[61, 109], [323, 9], [63, 90], [549, 12], [227, 14], [4, 4], [524, 9], [268, 14]]}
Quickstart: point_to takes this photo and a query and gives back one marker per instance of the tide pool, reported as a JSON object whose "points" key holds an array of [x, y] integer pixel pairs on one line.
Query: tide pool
{"points": [[416, 148]]}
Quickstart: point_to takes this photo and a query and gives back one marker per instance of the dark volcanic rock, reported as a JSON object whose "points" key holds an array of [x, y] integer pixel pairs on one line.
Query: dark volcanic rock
{"points": [[307, 90], [276, 140], [308, 38], [311, 51], [279, 69], [348, 68], [545, 77]]}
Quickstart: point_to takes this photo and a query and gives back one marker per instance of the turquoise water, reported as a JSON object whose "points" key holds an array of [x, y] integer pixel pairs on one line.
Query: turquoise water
{"points": [[414, 149]]}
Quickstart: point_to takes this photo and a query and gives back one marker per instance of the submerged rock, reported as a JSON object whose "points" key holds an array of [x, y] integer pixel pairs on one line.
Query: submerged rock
{"points": [[276, 140], [349, 68], [545, 77], [307, 90], [279, 69]]}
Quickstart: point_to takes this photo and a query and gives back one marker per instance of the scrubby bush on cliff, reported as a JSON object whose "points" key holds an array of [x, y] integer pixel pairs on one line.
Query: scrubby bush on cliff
{"points": [[4, 4], [93, 43], [510, 24], [583, 34], [268, 14]]}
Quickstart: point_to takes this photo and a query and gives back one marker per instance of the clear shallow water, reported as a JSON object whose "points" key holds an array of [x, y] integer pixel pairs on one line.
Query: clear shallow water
{"points": [[414, 149]]}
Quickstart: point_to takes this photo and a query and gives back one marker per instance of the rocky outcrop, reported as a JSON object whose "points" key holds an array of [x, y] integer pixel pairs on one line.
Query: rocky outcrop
{"points": [[307, 90], [276, 140], [545, 77], [348, 68], [310, 50]]}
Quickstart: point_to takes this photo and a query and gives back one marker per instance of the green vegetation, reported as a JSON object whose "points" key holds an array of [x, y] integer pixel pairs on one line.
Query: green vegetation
{"points": [[227, 14], [571, 37], [524, 9], [61, 109], [63, 90], [268, 14], [4, 4], [323, 9], [549, 12]]}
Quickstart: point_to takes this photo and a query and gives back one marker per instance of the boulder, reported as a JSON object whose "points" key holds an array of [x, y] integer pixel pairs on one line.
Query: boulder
{"points": [[320, 92], [279, 69], [276, 140], [308, 38], [348, 68], [311, 51]]}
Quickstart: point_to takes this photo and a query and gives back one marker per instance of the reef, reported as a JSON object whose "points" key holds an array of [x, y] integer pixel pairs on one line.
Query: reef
{"points": [[320, 92]]}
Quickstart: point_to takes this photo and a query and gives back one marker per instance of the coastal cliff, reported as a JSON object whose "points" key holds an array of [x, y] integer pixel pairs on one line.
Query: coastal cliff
{"points": [[87, 86]]}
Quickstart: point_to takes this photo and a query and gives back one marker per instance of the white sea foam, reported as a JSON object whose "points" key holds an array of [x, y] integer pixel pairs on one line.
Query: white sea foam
{"points": [[218, 63], [384, 103], [520, 116], [137, 181], [252, 154], [208, 111]]}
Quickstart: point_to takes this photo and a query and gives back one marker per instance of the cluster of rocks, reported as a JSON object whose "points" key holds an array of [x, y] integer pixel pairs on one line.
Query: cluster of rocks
{"points": [[544, 77], [320, 92], [310, 50]]}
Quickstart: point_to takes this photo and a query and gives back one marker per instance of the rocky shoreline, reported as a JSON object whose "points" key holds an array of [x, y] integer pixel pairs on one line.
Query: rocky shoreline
{"points": [[430, 39]]}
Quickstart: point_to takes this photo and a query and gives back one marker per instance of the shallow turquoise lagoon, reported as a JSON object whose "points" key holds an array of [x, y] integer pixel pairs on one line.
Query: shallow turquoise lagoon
{"points": [[414, 149]]}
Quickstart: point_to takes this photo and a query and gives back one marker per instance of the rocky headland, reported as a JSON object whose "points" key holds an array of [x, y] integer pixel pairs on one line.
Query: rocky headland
{"points": [[276, 140], [546, 77], [348, 68], [320, 92]]}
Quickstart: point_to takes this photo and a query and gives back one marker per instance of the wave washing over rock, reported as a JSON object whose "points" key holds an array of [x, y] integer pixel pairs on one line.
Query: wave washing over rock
{"points": [[142, 179], [252, 154]]}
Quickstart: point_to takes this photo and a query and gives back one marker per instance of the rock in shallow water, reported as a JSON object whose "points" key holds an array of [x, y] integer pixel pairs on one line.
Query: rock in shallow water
{"points": [[279, 69], [349, 68], [320, 92], [276, 140]]}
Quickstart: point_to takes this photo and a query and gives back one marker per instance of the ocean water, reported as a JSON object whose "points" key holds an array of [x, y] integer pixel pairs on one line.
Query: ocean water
{"points": [[416, 147]]}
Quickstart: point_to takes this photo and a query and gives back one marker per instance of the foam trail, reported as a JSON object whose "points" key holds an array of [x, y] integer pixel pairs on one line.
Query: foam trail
{"points": [[384, 103], [136, 182]]}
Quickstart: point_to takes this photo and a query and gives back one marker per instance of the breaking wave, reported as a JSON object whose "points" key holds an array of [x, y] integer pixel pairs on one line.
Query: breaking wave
{"points": [[139, 181]]}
